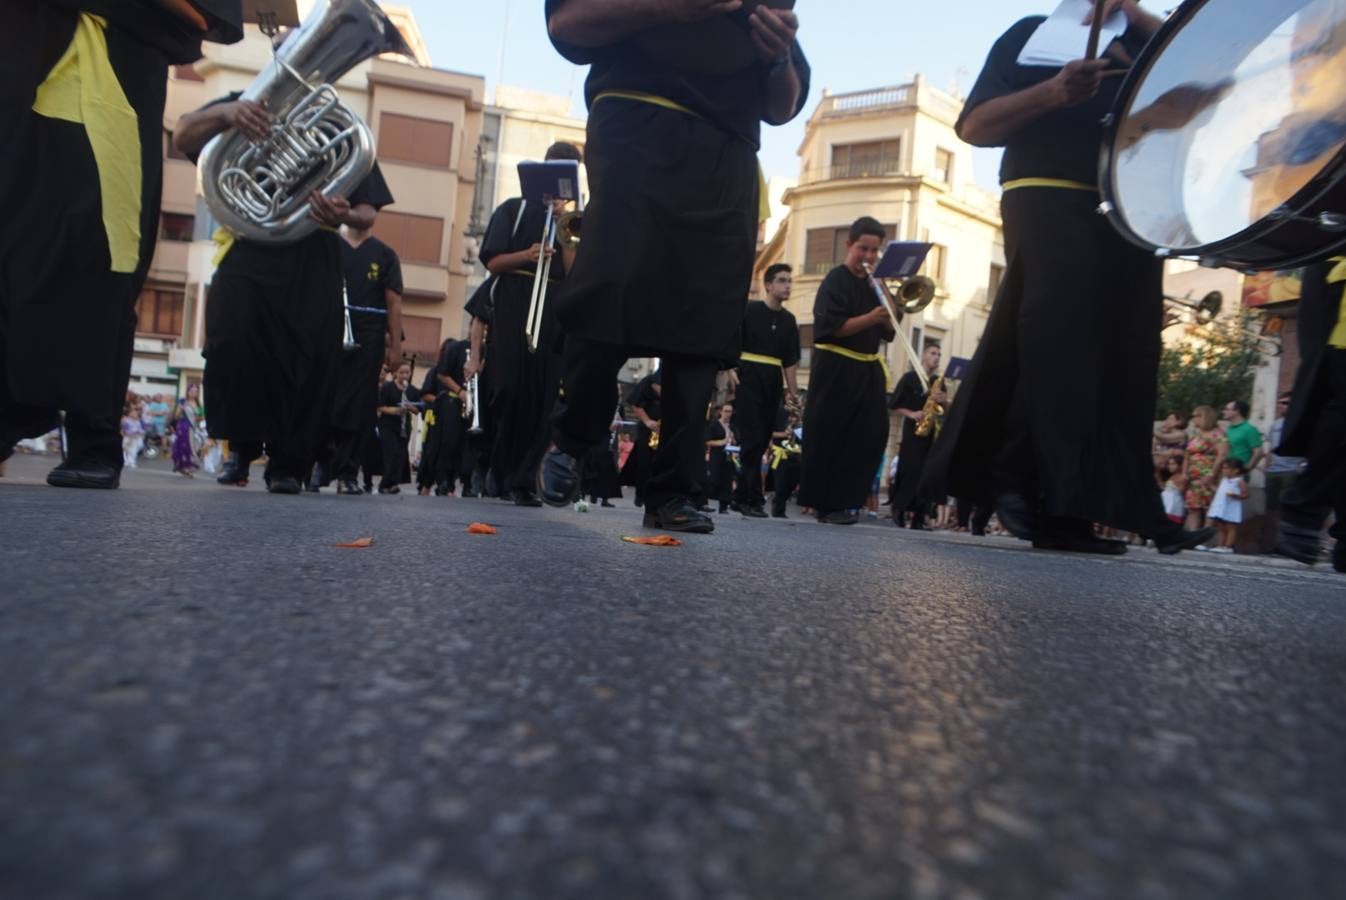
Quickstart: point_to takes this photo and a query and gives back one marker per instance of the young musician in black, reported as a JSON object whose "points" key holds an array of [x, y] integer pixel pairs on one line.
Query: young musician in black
{"points": [[397, 399], [720, 470], [524, 382], [447, 456], [670, 232], [1315, 426], [373, 279], [908, 401], [845, 419], [786, 460], [644, 403], [274, 318], [1055, 416], [475, 468], [81, 164], [770, 352]]}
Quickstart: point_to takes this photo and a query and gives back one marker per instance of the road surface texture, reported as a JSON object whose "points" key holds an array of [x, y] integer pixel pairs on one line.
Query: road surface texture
{"points": [[204, 698]]}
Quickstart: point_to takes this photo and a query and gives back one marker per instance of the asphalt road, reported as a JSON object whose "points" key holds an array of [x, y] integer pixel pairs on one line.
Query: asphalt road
{"points": [[201, 697]]}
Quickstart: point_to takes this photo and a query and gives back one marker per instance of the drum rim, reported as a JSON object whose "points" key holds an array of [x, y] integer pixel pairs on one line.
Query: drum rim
{"points": [[1222, 252]]}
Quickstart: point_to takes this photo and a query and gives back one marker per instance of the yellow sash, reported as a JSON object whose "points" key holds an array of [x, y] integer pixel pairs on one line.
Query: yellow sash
{"points": [[1337, 338], [763, 201], [860, 357], [1047, 183], [82, 87], [759, 358], [779, 454], [529, 273]]}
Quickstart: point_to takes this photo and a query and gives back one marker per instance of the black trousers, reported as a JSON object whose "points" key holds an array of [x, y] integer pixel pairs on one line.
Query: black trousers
{"points": [[449, 456], [394, 445], [583, 420], [785, 478], [523, 387], [720, 477], [348, 452], [1322, 486]]}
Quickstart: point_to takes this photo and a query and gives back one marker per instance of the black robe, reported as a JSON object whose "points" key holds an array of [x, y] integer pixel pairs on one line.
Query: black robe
{"points": [[370, 271], [523, 382], [671, 230], [640, 460], [757, 399], [274, 317], [910, 395], [395, 432], [59, 298], [1059, 402], [845, 419]]}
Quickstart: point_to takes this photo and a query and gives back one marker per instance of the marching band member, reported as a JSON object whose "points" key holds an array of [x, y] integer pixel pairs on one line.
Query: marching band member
{"points": [[909, 400], [524, 382], [720, 436], [670, 233], [449, 406], [644, 404], [476, 461], [81, 165], [1062, 386], [770, 352], [845, 418]]}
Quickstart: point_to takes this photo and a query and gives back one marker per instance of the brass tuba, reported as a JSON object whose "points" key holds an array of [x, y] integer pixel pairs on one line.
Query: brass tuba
{"points": [[260, 191]]}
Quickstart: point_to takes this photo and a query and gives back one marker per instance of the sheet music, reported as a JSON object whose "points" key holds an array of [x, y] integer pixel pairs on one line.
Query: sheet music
{"points": [[1062, 37]]}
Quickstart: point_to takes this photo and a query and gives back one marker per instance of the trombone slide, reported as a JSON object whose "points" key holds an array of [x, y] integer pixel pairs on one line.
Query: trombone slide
{"points": [[533, 328], [889, 303]]}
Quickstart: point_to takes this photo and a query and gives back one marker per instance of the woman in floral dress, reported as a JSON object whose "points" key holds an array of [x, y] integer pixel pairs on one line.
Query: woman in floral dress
{"points": [[1205, 452]]}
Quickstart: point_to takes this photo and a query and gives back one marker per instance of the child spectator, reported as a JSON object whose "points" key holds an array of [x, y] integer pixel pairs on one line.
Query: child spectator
{"points": [[1173, 485], [133, 436], [1226, 509]]}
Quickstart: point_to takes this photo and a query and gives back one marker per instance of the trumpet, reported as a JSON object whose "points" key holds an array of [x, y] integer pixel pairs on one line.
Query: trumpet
{"points": [[472, 402], [565, 229], [913, 296], [349, 342]]}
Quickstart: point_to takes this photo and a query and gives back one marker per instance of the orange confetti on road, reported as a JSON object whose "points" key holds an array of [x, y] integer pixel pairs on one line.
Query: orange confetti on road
{"points": [[662, 540], [482, 528], [357, 544]]}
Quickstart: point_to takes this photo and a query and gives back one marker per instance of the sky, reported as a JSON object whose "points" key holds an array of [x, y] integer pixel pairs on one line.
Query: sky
{"points": [[851, 44]]}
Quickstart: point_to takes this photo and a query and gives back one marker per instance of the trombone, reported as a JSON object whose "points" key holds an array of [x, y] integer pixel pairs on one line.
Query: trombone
{"points": [[914, 295], [567, 228]]}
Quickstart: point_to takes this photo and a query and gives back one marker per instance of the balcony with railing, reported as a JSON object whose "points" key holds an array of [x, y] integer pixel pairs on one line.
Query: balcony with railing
{"points": [[868, 101], [868, 169]]}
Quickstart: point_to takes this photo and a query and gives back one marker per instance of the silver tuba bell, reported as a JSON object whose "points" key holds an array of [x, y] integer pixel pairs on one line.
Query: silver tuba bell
{"points": [[260, 191]]}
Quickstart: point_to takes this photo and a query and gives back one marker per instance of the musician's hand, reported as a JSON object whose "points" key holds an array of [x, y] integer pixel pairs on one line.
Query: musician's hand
{"points": [[1135, 16], [694, 10], [470, 369], [941, 398], [773, 32], [733, 378], [918, 416], [879, 316], [534, 253], [1078, 81], [652, 425], [249, 117], [330, 211]]}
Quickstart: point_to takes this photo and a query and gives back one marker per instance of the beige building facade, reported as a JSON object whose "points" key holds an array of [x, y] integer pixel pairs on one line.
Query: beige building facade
{"points": [[891, 153], [427, 126]]}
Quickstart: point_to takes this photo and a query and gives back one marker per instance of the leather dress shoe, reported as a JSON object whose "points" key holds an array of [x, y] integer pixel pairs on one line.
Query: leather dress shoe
{"points": [[524, 497], [349, 487], [389, 489], [1302, 544], [85, 474], [1177, 539], [561, 474], [1079, 543], [753, 512], [838, 517], [283, 484], [1017, 517], [779, 514], [679, 515]]}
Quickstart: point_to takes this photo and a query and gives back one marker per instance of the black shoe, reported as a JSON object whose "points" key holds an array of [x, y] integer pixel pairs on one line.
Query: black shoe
{"points": [[369, 487], [1017, 517], [311, 488], [561, 474], [349, 487], [1078, 543], [753, 512], [978, 531], [1178, 540], [840, 517], [524, 497], [283, 484], [443, 489], [389, 489], [608, 503], [705, 508], [1303, 544], [679, 515], [84, 474], [779, 514]]}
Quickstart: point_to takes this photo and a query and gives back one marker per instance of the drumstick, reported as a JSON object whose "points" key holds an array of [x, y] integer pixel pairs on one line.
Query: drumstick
{"points": [[1091, 52]]}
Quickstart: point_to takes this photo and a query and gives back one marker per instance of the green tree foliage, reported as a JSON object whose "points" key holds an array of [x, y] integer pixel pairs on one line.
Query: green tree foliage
{"points": [[1210, 367]]}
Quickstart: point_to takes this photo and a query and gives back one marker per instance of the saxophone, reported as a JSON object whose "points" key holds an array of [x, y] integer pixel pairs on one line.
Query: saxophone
{"points": [[933, 418], [260, 191]]}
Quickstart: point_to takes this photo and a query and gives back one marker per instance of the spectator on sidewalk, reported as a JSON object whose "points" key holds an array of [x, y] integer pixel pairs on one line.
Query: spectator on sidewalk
{"points": [[1226, 509], [1206, 452], [133, 436], [1245, 441]]}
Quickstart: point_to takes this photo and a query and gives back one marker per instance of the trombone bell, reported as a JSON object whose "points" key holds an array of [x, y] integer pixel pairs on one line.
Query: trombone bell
{"points": [[568, 229], [916, 293]]}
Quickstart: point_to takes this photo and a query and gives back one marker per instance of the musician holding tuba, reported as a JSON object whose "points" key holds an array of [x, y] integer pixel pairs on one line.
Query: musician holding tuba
{"points": [[920, 403], [274, 315], [524, 381], [80, 172]]}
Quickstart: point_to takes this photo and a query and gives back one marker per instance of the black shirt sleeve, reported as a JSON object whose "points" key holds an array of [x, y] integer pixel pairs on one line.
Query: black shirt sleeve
{"points": [[997, 73], [500, 231], [791, 354], [431, 384], [832, 306], [480, 306], [715, 431], [908, 394], [373, 190], [389, 395], [392, 270]]}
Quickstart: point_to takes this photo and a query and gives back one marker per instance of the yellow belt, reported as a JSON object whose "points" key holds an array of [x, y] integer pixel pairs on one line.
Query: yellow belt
{"points": [[82, 87], [1337, 339], [763, 200], [780, 454], [528, 273], [759, 358], [859, 357], [1048, 183]]}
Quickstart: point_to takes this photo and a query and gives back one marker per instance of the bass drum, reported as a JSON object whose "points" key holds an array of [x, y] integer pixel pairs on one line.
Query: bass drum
{"points": [[1227, 143]]}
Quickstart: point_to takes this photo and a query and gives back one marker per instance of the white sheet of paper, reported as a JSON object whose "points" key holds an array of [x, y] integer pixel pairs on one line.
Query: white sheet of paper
{"points": [[1062, 38]]}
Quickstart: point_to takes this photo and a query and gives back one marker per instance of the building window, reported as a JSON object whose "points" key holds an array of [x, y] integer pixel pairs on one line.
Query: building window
{"points": [[176, 227], [935, 263], [825, 248], [426, 142], [993, 283], [944, 166], [414, 238], [159, 313], [422, 339], [866, 160], [805, 346]]}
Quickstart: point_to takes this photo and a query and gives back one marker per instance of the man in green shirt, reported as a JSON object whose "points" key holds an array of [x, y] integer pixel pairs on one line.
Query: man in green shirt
{"points": [[1245, 441]]}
